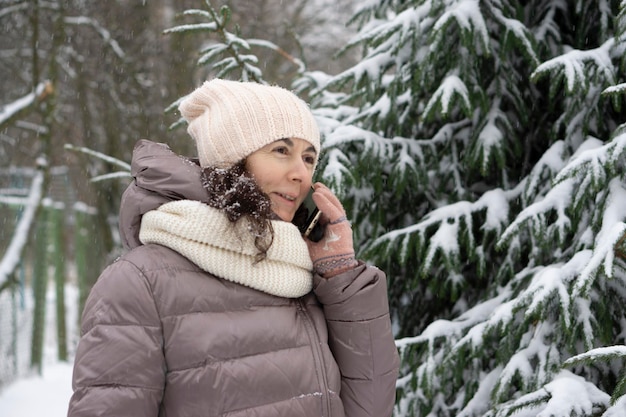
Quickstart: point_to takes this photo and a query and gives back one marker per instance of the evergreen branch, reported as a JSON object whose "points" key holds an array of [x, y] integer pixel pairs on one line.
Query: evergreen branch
{"points": [[231, 45], [572, 66], [385, 42], [443, 242], [451, 88], [489, 145], [591, 163], [367, 69], [557, 200], [544, 284], [533, 400], [619, 393], [473, 325], [606, 354], [612, 231], [556, 398], [548, 165], [519, 32], [615, 93], [208, 54], [336, 167], [585, 320], [620, 22], [551, 282], [495, 204], [196, 27], [594, 159], [618, 89], [202, 13], [471, 24], [478, 405], [520, 366]]}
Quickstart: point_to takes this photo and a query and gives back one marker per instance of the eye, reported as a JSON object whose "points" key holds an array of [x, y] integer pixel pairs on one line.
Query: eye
{"points": [[310, 159], [281, 150]]}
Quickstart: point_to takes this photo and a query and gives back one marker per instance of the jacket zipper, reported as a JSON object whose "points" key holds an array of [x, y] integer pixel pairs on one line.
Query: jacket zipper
{"points": [[317, 356]]}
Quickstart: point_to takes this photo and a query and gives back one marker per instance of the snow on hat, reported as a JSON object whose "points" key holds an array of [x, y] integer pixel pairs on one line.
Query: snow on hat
{"points": [[229, 120]]}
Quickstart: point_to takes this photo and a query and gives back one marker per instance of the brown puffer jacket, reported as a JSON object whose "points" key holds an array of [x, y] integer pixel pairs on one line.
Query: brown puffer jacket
{"points": [[161, 337]]}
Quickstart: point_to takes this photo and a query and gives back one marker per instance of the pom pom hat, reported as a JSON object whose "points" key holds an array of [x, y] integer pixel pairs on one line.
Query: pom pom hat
{"points": [[229, 120]]}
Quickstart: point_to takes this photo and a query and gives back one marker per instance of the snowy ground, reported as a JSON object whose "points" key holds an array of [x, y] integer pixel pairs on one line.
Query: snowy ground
{"points": [[47, 394]]}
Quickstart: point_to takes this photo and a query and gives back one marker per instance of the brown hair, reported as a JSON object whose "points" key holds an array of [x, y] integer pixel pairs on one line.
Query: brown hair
{"points": [[235, 192]]}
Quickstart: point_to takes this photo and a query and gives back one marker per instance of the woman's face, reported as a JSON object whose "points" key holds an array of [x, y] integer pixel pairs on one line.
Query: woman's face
{"points": [[284, 171]]}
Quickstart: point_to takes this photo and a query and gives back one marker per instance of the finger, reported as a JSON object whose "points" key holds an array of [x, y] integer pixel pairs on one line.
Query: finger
{"points": [[324, 190], [328, 204]]}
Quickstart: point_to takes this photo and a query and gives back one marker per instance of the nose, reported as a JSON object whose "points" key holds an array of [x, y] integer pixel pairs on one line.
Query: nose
{"points": [[299, 170]]}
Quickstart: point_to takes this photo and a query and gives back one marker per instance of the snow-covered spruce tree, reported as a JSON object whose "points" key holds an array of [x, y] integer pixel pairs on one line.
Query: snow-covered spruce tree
{"points": [[480, 148]]}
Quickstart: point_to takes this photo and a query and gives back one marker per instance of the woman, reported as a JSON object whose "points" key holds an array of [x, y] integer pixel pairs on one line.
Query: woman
{"points": [[221, 307]]}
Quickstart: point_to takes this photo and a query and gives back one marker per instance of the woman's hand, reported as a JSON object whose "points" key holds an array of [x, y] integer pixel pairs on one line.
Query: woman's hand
{"points": [[334, 253]]}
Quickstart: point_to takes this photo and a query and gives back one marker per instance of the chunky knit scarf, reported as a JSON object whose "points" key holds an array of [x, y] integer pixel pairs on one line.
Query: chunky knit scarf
{"points": [[206, 237]]}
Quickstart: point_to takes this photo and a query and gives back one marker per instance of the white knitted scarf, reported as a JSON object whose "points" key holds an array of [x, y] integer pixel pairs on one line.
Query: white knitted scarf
{"points": [[205, 236]]}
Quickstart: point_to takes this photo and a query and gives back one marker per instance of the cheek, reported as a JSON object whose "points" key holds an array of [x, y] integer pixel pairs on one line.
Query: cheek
{"points": [[255, 171], [263, 181]]}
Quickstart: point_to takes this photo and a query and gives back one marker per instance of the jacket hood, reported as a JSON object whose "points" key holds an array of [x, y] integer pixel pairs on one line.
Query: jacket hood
{"points": [[159, 176]]}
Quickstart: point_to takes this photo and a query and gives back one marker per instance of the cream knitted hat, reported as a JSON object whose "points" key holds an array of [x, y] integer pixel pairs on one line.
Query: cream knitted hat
{"points": [[230, 119]]}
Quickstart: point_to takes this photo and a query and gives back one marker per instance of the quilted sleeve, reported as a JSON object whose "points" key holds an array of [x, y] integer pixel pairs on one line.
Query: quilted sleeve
{"points": [[119, 369], [357, 313]]}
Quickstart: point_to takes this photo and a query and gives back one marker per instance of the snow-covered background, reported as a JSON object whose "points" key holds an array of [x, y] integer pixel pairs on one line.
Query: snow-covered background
{"points": [[47, 394]]}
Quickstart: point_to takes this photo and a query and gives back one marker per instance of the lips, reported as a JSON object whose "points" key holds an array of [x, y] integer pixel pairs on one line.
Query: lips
{"points": [[291, 198], [284, 205]]}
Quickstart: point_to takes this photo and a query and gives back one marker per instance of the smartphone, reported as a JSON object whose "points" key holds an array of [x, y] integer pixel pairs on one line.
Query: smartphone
{"points": [[311, 228]]}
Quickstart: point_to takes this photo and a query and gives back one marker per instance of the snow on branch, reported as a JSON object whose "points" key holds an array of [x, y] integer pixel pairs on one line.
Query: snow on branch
{"points": [[557, 199], [588, 167], [604, 353], [381, 146], [613, 228], [193, 27], [573, 65], [104, 33], [451, 87], [386, 37], [494, 203], [489, 144], [13, 110], [467, 15], [99, 155], [556, 398], [592, 158], [615, 89], [111, 176], [5, 11], [12, 256], [519, 31], [473, 319], [550, 163], [523, 363]]}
